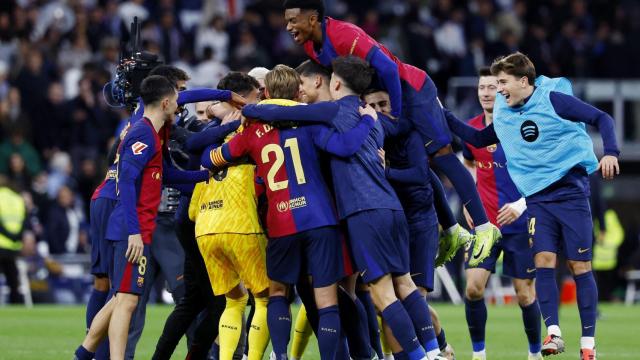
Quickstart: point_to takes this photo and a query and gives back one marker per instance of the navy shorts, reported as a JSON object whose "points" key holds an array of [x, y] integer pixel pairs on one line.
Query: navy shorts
{"points": [[125, 276], [425, 112], [562, 226], [517, 261], [423, 248], [316, 252], [379, 241], [99, 211]]}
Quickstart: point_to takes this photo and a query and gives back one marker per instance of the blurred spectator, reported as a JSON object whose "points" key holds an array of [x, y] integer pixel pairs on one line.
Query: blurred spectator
{"points": [[16, 144], [18, 173], [12, 221], [60, 169], [130, 9], [215, 37], [64, 231], [208, 72]]}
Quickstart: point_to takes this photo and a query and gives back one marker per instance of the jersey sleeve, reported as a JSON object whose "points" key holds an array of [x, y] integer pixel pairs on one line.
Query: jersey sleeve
{"points": [[237, 147], [466, 152], [322, 112], [473, 136], [418, 171], [347, 39], [214, 135], [342, 144], [197, 95], [138, 148]]}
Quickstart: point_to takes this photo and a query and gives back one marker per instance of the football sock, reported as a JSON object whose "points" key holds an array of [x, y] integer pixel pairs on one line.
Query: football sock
{"points": [[354, 323], [442, 340], [547, 293], [587, 342], [301, 334], [83, 354], [102, 353], [97, 299], [231, 326], [400, 324], [384, 344], [343, 348], [400, 356], [587, 294], [476, 313], [531, 320], [328, 331], [418, 310], [440, 203], [464, 184], [372, 320], [279, 320], [258, 338], [247, 324]]}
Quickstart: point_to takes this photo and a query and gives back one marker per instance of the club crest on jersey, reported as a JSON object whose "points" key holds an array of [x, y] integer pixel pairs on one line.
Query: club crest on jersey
{"points": [[492, 148], [138, 147], [140, 281]]}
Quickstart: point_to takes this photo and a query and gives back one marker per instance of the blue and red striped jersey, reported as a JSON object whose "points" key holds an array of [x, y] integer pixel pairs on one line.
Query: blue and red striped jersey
{"points": [[495, 186], [138, 183]]}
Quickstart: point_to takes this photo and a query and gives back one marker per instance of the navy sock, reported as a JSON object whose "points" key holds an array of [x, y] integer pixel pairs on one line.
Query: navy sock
{"points": [[587, 294], [547, 292], [83, 354], [102, 352], [398, 320], [440, 203], [418, 310], [464, 185], [279, 323], [442, 340], [372, 320], [531, 320], [215, 351], [400, 356], [354, 324], [476, 313], [97, 299], [342, 352], [328, 332]]}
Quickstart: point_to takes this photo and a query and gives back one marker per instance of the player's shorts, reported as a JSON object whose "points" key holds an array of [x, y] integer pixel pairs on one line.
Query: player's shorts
{"points": [[316, 252], [423, 248], [231, 258], [127, 277], [426, 114], [379, 241], [517, 258], [99, 211], [562, 226]]}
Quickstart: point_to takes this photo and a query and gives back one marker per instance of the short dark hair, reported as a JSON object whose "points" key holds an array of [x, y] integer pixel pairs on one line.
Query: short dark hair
{"points": [[317, 5], [311, 68], [372, 90], [154, 88], [516, 64], [484, 71], [238, 82], [355, 72], [172, 73]]}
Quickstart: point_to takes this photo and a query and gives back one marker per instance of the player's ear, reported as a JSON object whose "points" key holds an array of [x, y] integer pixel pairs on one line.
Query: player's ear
{"points": [[266, 93], [313, 17], [318, 82]]}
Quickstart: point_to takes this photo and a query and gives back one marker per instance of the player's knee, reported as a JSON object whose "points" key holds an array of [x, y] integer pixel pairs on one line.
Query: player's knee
{"points": [[127, 302], [326, 296], [579, 267], [423, 291], [237, 292], [526, 297], [382, 292], [474, 291], [403, 286], [101, 283], [545, 259]]}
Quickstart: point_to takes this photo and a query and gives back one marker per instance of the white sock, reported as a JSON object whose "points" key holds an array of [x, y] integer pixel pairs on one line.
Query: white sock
{"points": [[587, 342], [554, 330], [432, 354], [483, 227], [481, 354], [388, 357], [452, 229], [538, 354]]}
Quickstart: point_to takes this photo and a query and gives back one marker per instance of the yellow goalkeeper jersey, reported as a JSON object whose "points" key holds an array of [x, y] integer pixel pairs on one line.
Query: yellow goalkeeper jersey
{"points": [[226, 203]]}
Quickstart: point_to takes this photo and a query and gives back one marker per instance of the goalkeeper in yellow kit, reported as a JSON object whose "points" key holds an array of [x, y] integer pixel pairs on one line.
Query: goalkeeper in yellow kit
{"points": [[232, 243]]}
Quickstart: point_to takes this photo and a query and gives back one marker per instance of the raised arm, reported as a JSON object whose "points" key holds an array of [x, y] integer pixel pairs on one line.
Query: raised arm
{"points": [[213, 135], [172, 175], [322, 112], [388, 73], [473, 136], [203, 94], [418, 172], [343, 144]]}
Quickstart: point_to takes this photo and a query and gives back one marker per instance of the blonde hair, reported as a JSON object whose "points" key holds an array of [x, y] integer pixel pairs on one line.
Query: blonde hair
{"points": [[516, 64], [282, 82]]}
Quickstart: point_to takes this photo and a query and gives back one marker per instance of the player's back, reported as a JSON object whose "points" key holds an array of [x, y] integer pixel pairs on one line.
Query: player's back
{"points": [[288, 161], [359, 181]]}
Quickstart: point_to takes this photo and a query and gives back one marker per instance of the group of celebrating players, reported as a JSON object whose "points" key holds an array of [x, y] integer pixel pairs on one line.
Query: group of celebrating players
{"points": [[319, 177]]}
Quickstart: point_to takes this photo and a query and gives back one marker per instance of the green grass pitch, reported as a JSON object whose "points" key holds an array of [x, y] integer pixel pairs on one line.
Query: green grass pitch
{"points": [[53, 332]]}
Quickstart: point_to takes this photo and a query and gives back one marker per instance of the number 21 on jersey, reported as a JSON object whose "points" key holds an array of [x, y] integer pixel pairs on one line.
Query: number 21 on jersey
{"points": [[292, 145]]}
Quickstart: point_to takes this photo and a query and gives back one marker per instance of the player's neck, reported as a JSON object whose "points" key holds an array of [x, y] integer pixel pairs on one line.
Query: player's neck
{"points": [[488, 117], [316, 35], [324, 96], [156, 117]]}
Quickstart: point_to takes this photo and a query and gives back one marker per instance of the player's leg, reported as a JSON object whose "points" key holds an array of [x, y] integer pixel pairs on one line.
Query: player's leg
{"points": [[301, 334], [476, 309], [230, 328], [97, 332], [353, 318], [124, 307], [249, 258], [372, 318], [577, 233], [139, 315], [518, 264], [279, 318], [387, 351], [446, 350]]}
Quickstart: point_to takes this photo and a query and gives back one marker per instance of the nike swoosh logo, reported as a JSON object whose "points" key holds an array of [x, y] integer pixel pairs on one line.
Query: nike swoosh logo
{"points": [[529, 271], [588, 327], [362, 272], [427, 144], [582, 251], [545, 319], [477, 256]]}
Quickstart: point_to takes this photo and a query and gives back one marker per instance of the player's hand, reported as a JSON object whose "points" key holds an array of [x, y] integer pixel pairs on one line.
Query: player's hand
{"points": [[368, 110], [468, 217], [382, 158], [134, 249], [609, 166], [507, 214], [232, 116], [237, 100]]}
